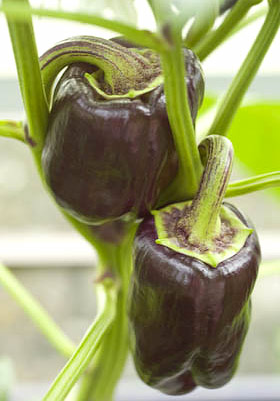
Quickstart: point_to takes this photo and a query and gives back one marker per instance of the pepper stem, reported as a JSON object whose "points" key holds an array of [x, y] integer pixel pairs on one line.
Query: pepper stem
{"points": [[205, 228], [124, 70], [203, 221], [26, 58], [180, 120]]}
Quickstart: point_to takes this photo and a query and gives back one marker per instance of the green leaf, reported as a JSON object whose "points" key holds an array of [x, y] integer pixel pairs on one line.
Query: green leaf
{"points": [[255, 134]]}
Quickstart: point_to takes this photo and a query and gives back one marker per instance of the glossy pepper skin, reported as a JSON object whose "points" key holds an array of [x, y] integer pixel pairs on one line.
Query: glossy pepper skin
{"points": [[189, 320], [105, 158]]}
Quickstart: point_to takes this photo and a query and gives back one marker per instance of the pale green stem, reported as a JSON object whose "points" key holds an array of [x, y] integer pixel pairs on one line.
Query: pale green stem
{"points": [[247, 72], [88, 347], [186, 183], [12, 129], [26, 57], [141, 37], [249, 20], [99, 383], [253, 184], [36, 313], [244, 23], [213, 39], [203, 219]]}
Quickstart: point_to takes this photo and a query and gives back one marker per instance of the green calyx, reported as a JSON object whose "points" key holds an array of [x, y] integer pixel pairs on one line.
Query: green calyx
{"points": [[119, 71], [131, 93], [226, 243], [204, 228]]}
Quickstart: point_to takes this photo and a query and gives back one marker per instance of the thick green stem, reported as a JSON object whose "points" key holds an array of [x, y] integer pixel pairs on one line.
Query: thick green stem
{"points": [[247, 72], [141, 37], [252, 184], [12, 129], [99, 383], [37, 314], [190, 169], [211, 41], [89, 345], [203, 219], [26, 56]]}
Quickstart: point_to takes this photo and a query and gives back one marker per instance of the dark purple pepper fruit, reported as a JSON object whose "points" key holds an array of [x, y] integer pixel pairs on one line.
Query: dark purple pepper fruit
{"points": [[189, 320], [104, 159]]}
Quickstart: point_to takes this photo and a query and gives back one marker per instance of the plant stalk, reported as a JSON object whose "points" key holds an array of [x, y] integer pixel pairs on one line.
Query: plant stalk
{"points": [[37, 314], [12, 129], [100, 381], [247, 71], [211, 41], [249, 20], [186, 183], [26, 57], [88, 347], [253, 184]]}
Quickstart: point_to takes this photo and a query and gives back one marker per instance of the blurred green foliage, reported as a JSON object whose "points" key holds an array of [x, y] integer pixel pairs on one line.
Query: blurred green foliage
{"points": [[255, 134]]}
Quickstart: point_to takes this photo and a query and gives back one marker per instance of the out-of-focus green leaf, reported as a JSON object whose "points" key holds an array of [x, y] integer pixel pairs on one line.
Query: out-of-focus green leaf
{"points": [[255, 134], [6, 378]]}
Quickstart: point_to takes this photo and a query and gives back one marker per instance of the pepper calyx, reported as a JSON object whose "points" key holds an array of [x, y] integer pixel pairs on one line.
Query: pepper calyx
{"points": [[230, 239], [130, 94]]}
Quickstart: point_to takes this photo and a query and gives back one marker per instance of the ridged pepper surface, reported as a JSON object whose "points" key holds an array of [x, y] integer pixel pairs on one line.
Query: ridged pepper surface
{"points": [[189, 320]]}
